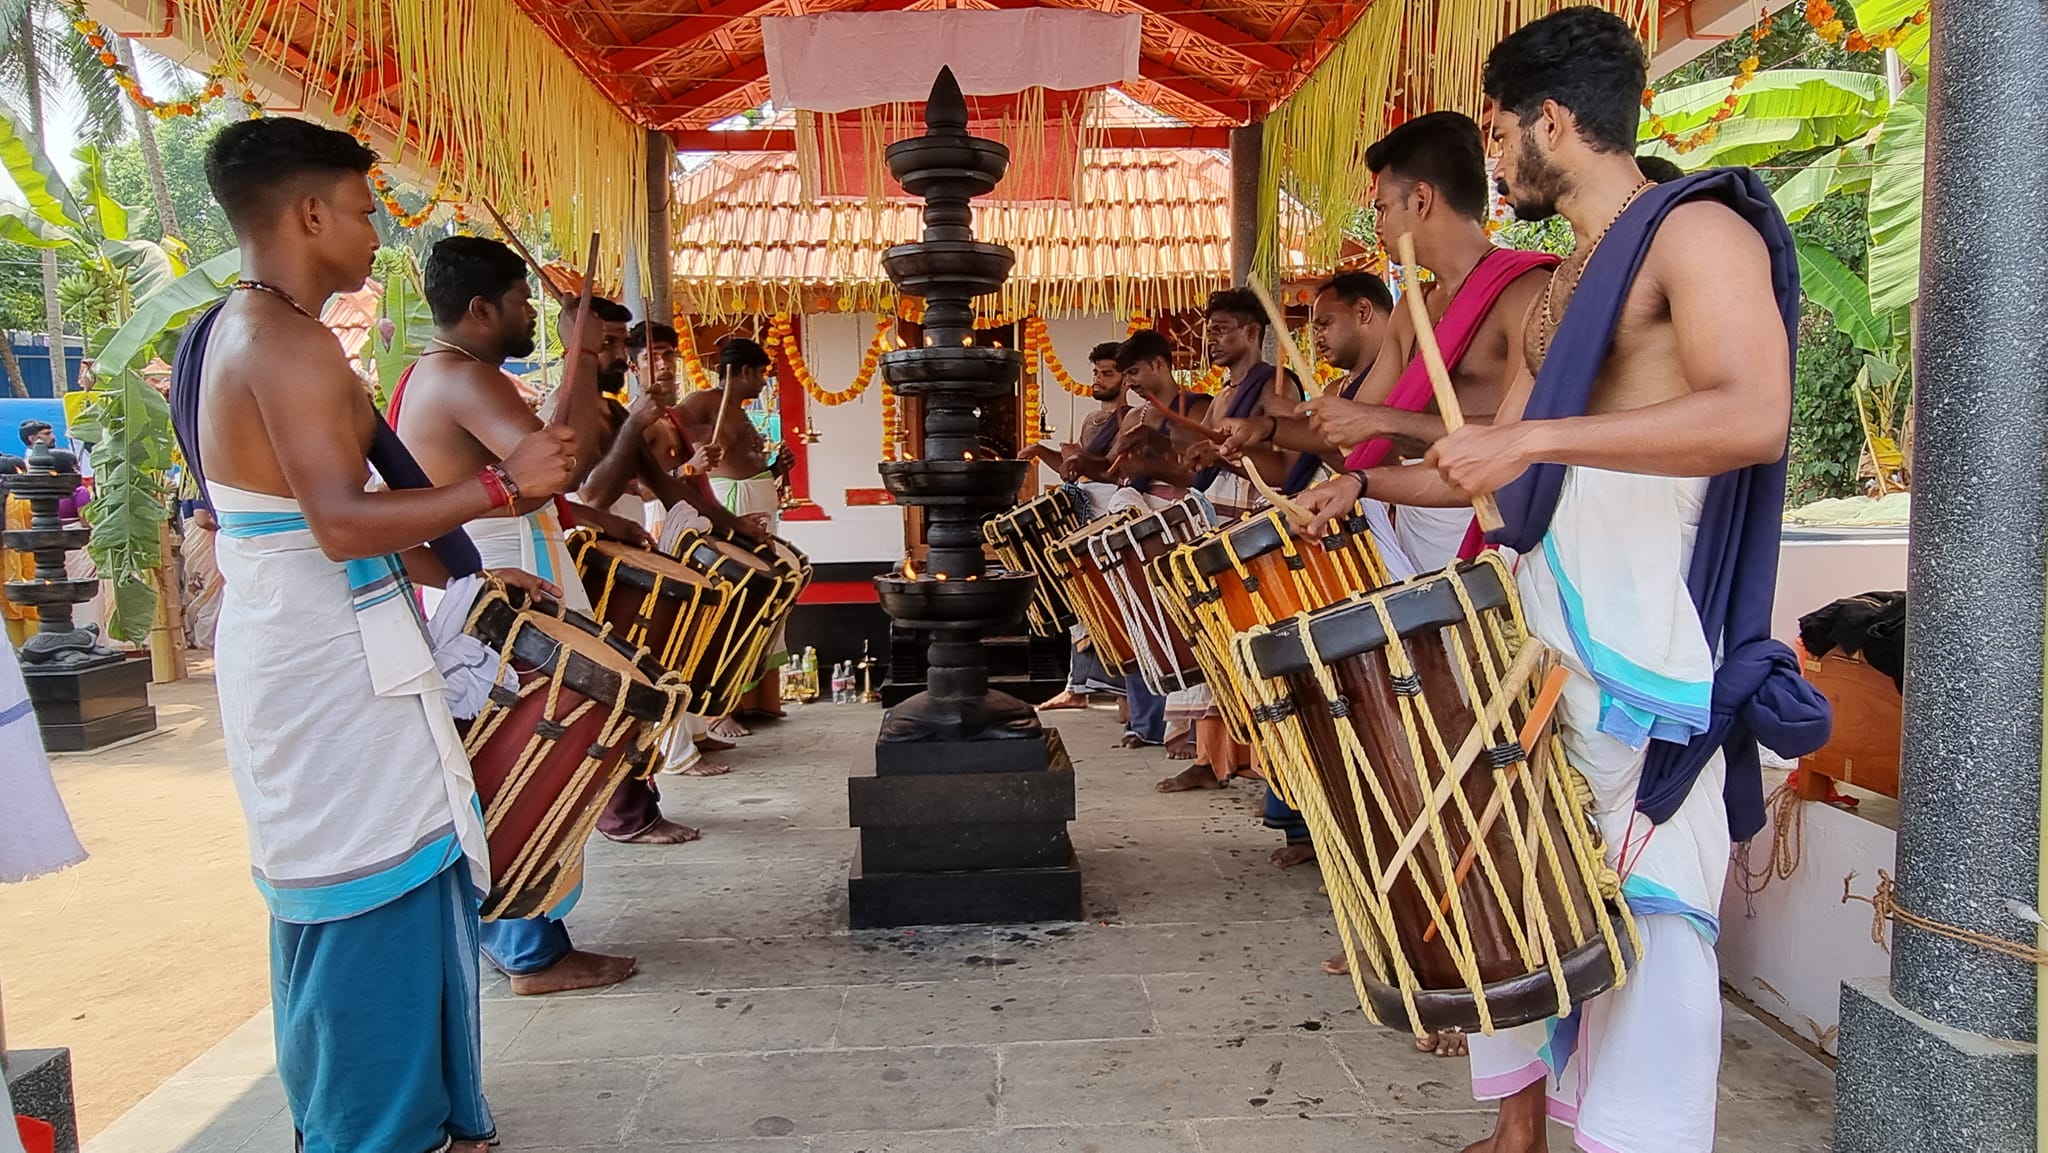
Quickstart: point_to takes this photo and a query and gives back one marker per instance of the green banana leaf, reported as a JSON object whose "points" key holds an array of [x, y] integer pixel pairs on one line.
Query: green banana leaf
{"points": [[144, 266], [105, 214], [1845, 170], [131, 496], [1877, 16], [164, 313], [405, 305], [21, 225], [1780, 94], [1831, 285], [35, 175], [1898, 163]]}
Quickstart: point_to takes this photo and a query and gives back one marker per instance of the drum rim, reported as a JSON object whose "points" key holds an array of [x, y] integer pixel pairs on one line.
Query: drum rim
{"points": [[1590, 970], [535, 648], [1263, 533], [1352, 627], [625, 574]]}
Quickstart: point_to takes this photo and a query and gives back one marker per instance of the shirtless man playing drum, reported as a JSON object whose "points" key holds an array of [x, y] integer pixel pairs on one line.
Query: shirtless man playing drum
{"points": [[1613, 464]]}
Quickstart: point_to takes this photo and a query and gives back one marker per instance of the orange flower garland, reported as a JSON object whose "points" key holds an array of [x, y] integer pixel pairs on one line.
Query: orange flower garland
{"points": [[101, 40], [686, 356], [1139, 322], [892, 432], [1820, 16], [782, 335], [387, 193], [1038, 349]]}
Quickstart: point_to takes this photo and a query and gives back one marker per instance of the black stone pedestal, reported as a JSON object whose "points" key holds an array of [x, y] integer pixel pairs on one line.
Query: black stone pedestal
{"points": [[85, 709], [39, 1083], [964, 832]]}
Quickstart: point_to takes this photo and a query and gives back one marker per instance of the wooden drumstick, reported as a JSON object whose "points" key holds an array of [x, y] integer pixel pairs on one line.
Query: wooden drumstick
{"points": [[1532, 731], [573, 354], [1518, 676], [512, 240], [1483, 506]]}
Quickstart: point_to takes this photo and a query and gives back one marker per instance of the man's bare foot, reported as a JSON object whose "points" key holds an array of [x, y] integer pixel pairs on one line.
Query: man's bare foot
{"points": [[1522, 1127], [1295, 853], [1338, 966], [1190, 779], [704, 768], [1181, 746], [662, 832], [727, 728], [1066, 699], [578, 970], [714, 745], [1442, 1044]]}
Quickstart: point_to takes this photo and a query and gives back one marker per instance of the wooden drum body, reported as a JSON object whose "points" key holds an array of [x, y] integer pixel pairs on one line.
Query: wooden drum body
{"points": [[1089, 594], [589, 709], [758, 587], [1258, 571], [1165, 650], [1023, 538], [1474, 902], [652, 601]]}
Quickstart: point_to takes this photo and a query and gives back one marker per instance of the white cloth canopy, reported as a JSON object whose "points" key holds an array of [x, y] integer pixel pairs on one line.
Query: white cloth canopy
{"points": [[840, 61]]}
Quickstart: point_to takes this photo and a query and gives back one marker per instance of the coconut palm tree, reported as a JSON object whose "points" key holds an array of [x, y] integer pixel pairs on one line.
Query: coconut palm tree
{"points": [[39, 51]]}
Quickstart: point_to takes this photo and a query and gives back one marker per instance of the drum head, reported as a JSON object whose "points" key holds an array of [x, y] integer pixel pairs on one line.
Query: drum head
{"points": [[1352, 627], [636, 561], [1259, 534], [597, 661]]}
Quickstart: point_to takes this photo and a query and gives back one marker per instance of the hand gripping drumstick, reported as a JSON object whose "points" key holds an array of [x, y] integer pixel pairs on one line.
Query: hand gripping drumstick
{"points": [[574, 353], [1301, 369], [1532, 731], [1483, 506]]}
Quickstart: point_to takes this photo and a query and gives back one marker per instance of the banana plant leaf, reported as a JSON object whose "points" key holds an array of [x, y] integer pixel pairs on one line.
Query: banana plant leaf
{"points": [[47, 194], [164, 313], [1831, 285], [1780, 94], [108, 216], [144, 266], [131, 500], [1898, 172], [1878, 16], [1843, 171], [21, 225]]}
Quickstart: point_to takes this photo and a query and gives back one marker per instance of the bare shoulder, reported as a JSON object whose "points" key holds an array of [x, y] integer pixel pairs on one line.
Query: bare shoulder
{"points": [[698, 407], [1704, 235], [283, 356]]}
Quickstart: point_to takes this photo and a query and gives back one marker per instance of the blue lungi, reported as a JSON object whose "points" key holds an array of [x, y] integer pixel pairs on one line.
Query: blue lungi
{"points": [[379, 1044]]}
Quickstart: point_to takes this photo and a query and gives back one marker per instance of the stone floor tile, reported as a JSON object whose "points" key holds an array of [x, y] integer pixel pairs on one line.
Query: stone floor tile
{"points": [[803, 1094], [1234, 948], [578, 1104], [209, 1115], [1170, 1079], [1278, 997], [1178, 1138], [981, 1012], [630, 1024]]}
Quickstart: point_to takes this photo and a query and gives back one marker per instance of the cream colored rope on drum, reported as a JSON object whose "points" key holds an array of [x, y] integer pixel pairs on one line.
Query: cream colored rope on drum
{"points": [[1497, 676]]}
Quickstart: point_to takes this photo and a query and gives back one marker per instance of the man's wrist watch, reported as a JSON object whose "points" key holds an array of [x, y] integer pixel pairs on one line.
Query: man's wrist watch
{"points": [[1359, 475]]}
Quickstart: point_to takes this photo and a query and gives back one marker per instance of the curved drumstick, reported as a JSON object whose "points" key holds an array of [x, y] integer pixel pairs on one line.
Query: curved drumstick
{"points": [[572, 355], [1483, 506], [1532, 730], [512, 239]]}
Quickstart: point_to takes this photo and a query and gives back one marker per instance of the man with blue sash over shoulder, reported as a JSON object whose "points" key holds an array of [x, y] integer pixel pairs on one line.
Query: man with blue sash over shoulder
{"points": [[1639, 463], [364, 829]]}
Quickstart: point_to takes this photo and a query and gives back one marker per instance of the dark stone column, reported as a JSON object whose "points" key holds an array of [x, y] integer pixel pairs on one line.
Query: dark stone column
{"points": [[661, 261], [1247, 156], [1941, 1055]]}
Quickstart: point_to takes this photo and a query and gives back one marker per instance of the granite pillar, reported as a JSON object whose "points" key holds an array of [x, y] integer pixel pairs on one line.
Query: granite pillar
{"points": [[1247, 157], [655, 306], [1942, 1054]]}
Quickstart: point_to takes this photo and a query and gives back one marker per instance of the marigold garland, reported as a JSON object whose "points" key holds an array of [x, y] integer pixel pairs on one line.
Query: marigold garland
{"points": [[387, 192], [782, 335], [892, 431], [1038, 350], [101, 39]]}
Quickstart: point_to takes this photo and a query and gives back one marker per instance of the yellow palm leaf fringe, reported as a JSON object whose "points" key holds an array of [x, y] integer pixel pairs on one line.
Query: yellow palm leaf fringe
{"points": [[488, 102], [1403, 57]]}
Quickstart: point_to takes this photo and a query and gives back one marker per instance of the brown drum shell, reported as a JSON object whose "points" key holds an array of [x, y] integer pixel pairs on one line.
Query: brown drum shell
{"points": [[1022, 538], [618, 577], [595, 667], [1273, 585], [1352, 642], [1129, 551], [760, 585], [1093, 602]]}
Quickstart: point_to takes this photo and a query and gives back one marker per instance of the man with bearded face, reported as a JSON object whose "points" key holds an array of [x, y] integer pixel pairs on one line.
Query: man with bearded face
{"points": [[458, 411], [1086, 458], [1638, 460]]}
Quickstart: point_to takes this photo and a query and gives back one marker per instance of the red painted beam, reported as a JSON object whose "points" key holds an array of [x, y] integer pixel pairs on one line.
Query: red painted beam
{"points": [[688, 30], [694, 98], [1188, 88], [783, 140], [1236, 41]]}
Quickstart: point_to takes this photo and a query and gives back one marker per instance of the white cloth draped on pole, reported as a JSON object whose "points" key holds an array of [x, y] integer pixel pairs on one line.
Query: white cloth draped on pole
{"points": [[840, 61]]}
